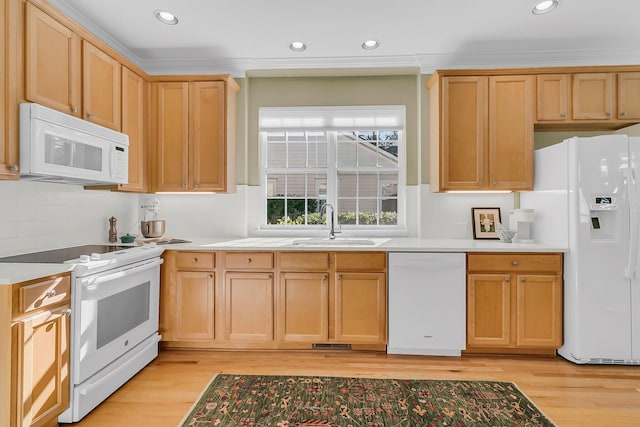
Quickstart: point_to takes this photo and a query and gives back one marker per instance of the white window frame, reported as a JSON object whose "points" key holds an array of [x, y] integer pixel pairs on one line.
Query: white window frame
{"points": [[306, 115]]}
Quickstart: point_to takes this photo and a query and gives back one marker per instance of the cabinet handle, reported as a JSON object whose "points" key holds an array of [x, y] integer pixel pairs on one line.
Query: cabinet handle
{"points": [[339, 276], [609, 114], [73, 109], [248, 260], [183, 185], [89, 115], [479, 182], [196, 185], [515, 263], [14, 168], [210, 276], [494, 183], [507, 279], [564, 115], [269, 276], [324, 278], [67, 312], [522, 279], [623, 114], [194, 260], [51, 293]]}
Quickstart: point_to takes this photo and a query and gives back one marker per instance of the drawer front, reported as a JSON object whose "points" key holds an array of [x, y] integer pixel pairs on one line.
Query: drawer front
{"points": [[515, 262], [361, 261], [44, 294], [248, 260], [299, 261], [195, 260]]}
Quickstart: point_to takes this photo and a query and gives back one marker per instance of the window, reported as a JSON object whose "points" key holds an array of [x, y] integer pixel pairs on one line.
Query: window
{"points": [[348, 157]]}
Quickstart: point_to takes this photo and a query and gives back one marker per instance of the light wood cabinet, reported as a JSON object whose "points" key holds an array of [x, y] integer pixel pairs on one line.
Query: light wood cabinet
{"points": [[553, 97], [11, 70], [39, 351], [593, 96], [194, 134], [303, 307], [248, 306], [514, 303], [101, 87], [481, 132], [187, 299], [53, 68], [629, 96], [134, 124], [360, 308]]}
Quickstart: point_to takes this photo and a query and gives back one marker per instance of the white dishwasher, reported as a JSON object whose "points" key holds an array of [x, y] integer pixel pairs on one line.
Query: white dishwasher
{"points": [[427, 303]]}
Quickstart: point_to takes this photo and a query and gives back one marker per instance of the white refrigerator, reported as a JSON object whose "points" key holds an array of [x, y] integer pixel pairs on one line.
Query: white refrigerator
{"points": [[586, 196]]}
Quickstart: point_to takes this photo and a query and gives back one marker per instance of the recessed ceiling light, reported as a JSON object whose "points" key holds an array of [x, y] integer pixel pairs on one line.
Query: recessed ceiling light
{"points": [[370, 44], [297, 46], [166, 17], [544, 7]]}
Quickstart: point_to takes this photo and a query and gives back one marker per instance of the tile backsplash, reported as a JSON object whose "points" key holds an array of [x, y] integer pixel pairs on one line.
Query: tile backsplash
{"points": [[39, 216]]}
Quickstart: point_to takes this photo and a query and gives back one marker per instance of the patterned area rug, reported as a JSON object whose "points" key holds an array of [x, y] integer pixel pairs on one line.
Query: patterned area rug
{"points": [[300, 401]]}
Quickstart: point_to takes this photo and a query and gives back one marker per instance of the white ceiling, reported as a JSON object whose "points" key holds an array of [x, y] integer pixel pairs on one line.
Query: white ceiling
{"points": [[240, 36]]}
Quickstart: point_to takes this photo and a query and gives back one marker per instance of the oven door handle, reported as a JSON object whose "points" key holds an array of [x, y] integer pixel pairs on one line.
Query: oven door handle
{"points": [[90, 283]]}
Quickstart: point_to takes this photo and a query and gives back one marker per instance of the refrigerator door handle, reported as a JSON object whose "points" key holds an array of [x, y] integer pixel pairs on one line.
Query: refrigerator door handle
{"points": [[634, 217]]}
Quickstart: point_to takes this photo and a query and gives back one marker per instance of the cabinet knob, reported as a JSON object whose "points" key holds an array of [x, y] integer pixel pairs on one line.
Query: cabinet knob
{"points": [[623, 114], [522, 279], [74, 109], [564, 115], [51, 293], [194, 260], [67, 312], [515, 263], [89, 115], [479, 182], [339, 276], [14, 168], [324, 278], [269, 276], [210, 276], [196, 185], [609, 114], [507, 279], [183, 185], [248, 260]]}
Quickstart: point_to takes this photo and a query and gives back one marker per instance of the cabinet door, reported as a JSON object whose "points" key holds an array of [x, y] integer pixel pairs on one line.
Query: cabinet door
{"points": [[303, 307], [207, 144], [194, 311], [41, 361], [248, 298], [361, 308], [134, 125], [628, 96], [489, 310], [101, 87], [463, 133], [9, 145], [593, 96], [171, 147], [52, 59], [552, 97], [511, 132], [539, 311]]}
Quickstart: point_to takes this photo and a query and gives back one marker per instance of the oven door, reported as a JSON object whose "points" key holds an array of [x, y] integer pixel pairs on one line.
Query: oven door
{"points": [[118, 310]]}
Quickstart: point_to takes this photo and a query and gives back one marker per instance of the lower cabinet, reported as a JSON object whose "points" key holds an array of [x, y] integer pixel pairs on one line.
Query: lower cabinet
{"points": [[40, 345], [514, 303], [269, 300]]}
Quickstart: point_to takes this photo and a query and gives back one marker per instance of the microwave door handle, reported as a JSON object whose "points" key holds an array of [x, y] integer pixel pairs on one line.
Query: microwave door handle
{"points": [[122, 273], [112, 162]]}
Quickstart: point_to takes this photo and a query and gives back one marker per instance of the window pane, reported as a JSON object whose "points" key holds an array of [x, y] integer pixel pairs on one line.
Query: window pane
{"points": [[296, 210], [275, 210], [368, 149], [389, 211], [346, 150], [368, 212], [275, 185], [389, 143], [347, 185], [317, 154], [296, 185], [367, 185], [388, 185], [276, 155], [297, 155], [296, 137], [346, 211]]}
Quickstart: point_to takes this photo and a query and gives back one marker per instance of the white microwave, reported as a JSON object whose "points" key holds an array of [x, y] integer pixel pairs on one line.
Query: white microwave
{"points": [[57, 147]]}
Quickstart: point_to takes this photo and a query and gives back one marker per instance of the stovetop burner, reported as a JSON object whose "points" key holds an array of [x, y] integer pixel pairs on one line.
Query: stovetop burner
{"points": [[62, 255]]}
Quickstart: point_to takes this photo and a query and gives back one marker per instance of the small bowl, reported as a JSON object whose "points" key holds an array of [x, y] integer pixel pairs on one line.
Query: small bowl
{"points": [[127, 238]]}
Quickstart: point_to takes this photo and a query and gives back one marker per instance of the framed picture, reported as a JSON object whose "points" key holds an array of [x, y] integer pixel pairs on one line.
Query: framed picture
{"points": [[485, 222]]}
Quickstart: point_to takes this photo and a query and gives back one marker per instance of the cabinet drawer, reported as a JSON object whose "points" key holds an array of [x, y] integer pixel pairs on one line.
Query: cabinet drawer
{"points": [[46, 293], [298, 261], [361, 261], [195, 260], [248, 260], [515, 262]]}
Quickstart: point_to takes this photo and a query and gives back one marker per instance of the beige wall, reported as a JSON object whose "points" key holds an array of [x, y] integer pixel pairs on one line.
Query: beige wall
{"points": [[327, 91]]}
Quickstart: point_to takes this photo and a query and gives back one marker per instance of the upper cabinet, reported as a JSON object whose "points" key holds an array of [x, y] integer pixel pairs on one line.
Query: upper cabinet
{"points": [[52, 58], [135, 124], [101, 76], [9, 164], [193, 127], [588, 100], [481, 133]]}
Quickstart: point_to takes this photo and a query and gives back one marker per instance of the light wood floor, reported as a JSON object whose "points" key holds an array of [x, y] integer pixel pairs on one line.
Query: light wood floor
{"points": [[571, 395]]}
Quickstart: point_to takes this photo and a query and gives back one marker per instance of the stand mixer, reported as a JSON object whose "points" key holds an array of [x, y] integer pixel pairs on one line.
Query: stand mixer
{"points": [[150, 226]]}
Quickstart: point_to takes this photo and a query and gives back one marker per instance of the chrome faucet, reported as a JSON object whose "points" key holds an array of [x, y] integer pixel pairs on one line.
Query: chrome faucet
{"points": [[323, 210]]}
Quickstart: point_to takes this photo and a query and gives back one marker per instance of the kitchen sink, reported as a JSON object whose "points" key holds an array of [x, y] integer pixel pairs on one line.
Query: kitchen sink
{"points": [[337, 242]]}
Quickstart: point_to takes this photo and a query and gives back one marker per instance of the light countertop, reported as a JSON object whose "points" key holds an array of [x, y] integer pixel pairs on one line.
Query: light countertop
{"points": [[11, 273]]}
